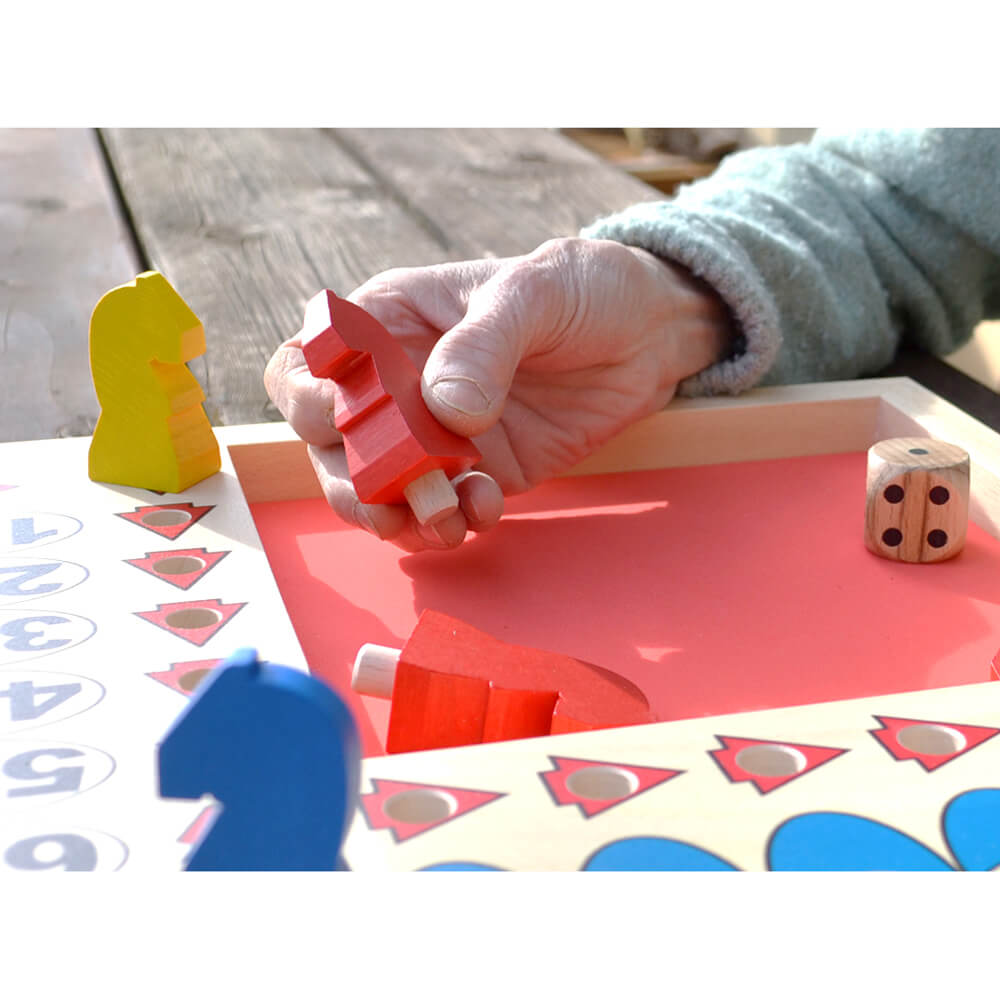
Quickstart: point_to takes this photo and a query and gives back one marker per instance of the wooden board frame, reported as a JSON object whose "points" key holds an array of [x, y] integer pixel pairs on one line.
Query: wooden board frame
{"points": [[505, 816], [781, 422]]}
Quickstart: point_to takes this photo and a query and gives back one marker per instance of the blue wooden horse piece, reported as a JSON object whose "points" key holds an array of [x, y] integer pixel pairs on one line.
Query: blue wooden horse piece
{"points": [[280, 751]]}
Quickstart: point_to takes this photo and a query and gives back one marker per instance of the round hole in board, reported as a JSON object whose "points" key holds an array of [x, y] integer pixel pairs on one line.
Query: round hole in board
{"points": [[919, 451], [892, 537], [178, 565], [771, 760], [937, 539], [193, 618], [939, 495], [602, 783], [930, 738], [48, 852], [165, 518], [893, 494], [419, 805], [189, 681]]}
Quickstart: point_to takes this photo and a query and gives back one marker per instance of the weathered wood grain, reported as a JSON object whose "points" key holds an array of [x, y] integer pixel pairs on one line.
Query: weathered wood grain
{"points": [[493, 192], [62, 245], [247, 224]]}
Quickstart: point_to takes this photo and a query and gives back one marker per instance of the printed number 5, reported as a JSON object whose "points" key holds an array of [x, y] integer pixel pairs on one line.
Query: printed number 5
{"points": [[62, 779]]}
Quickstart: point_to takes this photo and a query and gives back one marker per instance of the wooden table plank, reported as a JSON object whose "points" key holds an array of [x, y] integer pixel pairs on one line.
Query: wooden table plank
{"points": [[494, 192], [249, 223], [63, 243]]}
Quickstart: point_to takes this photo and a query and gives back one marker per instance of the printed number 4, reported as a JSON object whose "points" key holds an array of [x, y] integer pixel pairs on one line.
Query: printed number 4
{"points": [[22, 696]]}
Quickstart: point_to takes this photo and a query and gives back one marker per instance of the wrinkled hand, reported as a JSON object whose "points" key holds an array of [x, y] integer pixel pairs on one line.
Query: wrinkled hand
{"points": [[540, 359]]}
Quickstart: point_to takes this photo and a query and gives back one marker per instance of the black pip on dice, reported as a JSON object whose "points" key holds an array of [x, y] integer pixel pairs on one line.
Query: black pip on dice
{"points": [[917, 506]]}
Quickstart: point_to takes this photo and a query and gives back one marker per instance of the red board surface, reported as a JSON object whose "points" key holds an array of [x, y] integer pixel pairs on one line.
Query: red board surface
{"points": [[715, 589]]}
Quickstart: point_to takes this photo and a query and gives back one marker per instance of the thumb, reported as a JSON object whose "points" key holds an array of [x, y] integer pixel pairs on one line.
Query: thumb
{"points": [[469, 372]]}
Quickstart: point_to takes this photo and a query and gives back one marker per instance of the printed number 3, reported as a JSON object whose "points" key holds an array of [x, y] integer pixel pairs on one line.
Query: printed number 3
{"points": [[24, 640]]}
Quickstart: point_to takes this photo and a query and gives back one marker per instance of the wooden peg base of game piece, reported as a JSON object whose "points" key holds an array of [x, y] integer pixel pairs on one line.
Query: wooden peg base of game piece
{"points": [[917, 504], [375, 670], [452, 685], [395, 448], [431, 497]]}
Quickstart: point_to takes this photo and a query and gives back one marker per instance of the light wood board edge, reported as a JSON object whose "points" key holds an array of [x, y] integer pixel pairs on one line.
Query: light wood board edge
{"points": [[781, 422]]}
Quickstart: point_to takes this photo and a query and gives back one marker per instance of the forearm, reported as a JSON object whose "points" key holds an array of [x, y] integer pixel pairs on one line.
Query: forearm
{"points": [[828, 255]]}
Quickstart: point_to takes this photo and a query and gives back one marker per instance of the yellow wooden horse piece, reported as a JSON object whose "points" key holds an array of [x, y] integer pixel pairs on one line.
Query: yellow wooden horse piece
{"points": [[152, 431]]}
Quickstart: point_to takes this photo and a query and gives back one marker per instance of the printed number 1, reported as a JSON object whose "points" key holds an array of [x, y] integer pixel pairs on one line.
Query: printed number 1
{"points": [[22, 531]]}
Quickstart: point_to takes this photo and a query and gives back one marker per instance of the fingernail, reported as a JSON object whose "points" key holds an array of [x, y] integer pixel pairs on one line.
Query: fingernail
{"points": [[461, 393], [430, 534], [472, 511], [364, 520]]}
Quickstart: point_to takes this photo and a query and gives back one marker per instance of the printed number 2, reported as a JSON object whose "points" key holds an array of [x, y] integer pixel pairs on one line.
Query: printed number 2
{"points": [[22, 698], [62, 779], [77, 854], [14, 588]]}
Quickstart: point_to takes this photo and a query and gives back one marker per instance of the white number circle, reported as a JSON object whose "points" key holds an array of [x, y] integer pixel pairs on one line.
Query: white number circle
{"points": [[40, 773], [23, 578], [27, 634], [32, 698]]}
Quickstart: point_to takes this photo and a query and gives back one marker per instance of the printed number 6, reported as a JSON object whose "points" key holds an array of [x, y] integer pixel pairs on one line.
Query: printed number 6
{"points": [[77, 855]]}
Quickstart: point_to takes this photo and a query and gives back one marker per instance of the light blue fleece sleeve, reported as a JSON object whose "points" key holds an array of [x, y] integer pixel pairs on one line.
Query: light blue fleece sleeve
{"points": [[830, 254]]}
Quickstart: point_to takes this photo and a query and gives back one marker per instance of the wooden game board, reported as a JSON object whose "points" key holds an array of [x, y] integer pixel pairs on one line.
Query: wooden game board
{"points": [[114, 600]]}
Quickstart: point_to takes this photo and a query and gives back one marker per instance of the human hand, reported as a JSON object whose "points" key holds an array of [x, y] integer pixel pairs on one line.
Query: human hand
{"points": [[539, 358]]}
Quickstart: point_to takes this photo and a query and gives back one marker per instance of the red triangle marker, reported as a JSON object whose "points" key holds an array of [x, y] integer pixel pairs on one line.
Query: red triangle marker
{"points": [[597, 785], [168, 520], [194, 621], [407, 809], [184, 677], [767, 764], [930, 744], [181, 567], [198, 826]]}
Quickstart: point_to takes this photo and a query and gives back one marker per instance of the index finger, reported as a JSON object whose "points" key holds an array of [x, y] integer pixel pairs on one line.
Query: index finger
{"points": [[306, 402]]}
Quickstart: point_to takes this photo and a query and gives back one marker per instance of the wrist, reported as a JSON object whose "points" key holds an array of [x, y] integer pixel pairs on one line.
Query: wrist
{"points": [[695, 327]]}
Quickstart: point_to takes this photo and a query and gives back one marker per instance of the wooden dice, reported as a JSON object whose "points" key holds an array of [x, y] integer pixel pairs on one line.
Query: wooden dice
{"points": [[917, 506]]}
